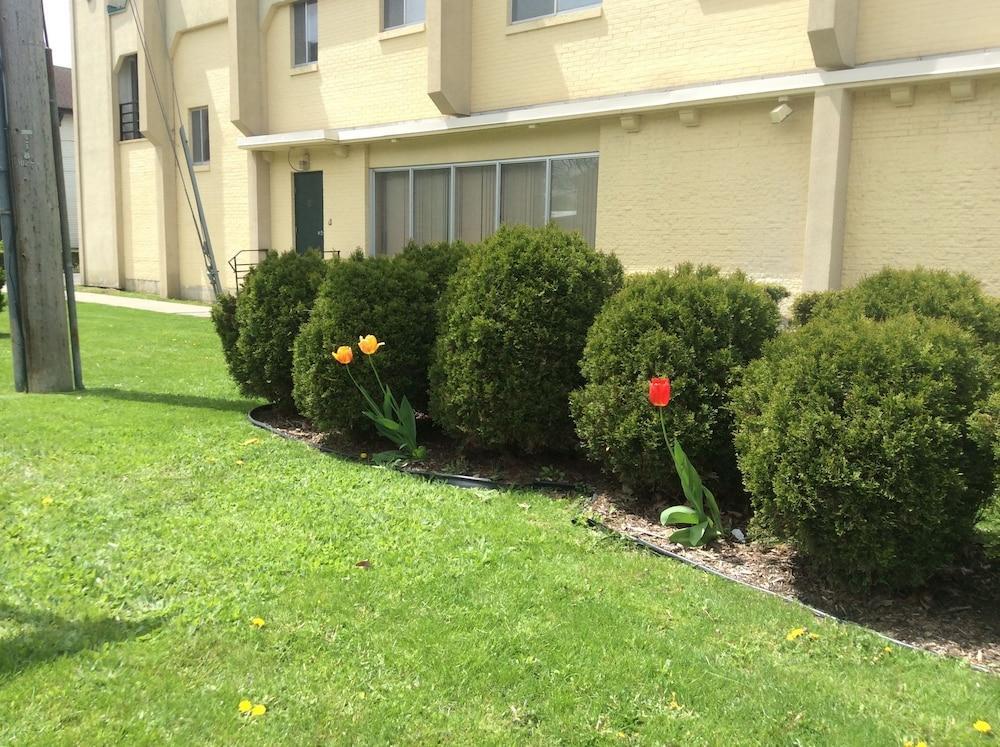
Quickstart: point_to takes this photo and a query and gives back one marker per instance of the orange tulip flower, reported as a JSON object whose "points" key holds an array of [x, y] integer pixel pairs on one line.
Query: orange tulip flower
{"points": [[369, 344], [344, 354]]}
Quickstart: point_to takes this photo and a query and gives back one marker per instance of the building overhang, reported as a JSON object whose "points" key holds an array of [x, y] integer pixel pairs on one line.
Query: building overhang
{"points": [[938, 67]]}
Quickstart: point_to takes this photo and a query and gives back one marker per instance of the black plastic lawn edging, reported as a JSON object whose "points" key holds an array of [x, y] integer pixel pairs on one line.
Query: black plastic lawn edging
{"points": [[468, 482], [459, 481]]}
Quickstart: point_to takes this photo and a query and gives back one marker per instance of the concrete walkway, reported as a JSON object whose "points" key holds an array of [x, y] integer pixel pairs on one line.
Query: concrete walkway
{"points": [[144, 304]]}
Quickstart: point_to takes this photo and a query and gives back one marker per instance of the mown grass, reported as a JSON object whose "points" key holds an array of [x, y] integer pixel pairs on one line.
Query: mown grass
{"points": [[485, 618]]}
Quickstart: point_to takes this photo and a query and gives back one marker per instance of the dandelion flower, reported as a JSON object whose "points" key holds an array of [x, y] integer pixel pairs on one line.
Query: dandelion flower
{"points": [[674, 705], [245, 706], [795, 633], [257, 622], [982, 727], [47, 501], [251, 442], [258, 710]]}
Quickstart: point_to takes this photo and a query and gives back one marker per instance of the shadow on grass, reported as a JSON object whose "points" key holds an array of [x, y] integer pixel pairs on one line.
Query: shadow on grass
{"points": [[4, 336], [173, 400], [43, 636]]}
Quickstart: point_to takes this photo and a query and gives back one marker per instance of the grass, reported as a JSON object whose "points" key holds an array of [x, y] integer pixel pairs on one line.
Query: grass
{"points": [[144, 525]]}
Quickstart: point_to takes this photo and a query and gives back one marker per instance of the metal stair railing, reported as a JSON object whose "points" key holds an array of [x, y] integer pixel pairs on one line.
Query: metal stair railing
{"points": [[243, 262]]}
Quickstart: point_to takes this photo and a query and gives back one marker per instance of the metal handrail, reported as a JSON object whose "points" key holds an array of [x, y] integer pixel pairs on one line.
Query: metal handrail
{"points": [[243, 262]]}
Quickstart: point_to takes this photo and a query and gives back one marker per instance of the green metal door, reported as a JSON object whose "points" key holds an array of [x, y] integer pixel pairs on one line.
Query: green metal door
{"points": [[309, 211]]}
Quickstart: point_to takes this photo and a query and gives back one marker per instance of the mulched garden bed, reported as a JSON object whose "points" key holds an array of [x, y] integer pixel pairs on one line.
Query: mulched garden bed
{"points": [[958, 614]]}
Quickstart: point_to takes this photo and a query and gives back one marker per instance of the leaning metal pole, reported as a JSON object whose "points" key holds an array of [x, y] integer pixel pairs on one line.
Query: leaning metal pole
{"points": [[10, 247], [206, 245], [67, 252]]}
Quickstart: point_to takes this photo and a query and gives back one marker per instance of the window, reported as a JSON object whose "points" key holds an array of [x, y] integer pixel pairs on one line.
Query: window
{"points": [[200, 152], [396, 13], [524, 10], [128, 99], [467, 202], [305, 32]]}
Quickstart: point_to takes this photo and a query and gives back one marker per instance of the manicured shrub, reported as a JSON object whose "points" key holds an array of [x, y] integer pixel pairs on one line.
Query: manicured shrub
{"points": [[932, 293], [514, 323], [224, 320], [807, 304], [985, 425], [277, 297], [394, 299], [854, 442], [3, 278], [694, 326]]}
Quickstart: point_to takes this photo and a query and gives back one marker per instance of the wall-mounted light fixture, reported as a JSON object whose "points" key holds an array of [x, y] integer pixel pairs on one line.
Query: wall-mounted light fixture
{"points": [[782, 111]]}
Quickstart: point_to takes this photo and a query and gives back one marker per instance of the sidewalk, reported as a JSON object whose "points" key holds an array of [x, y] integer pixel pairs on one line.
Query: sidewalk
{"points": [[143, 304]]}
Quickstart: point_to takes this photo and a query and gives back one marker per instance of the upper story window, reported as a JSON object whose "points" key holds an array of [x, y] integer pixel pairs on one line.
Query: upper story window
{"points": [[200, 151], [128, 99], [525, 10], [305, 32], [396, 13]]}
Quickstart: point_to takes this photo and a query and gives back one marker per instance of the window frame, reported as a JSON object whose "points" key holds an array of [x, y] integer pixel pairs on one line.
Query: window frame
{"points": [[452, 185], [206, 144], [555, 11], [406, 21], [304, 4]]}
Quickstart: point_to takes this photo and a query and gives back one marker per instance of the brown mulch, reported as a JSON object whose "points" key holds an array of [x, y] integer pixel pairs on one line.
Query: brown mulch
{"points": [[957, 614]]}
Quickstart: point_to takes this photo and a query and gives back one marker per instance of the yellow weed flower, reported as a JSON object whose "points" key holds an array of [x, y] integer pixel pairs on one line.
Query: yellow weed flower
{"points": [[257, 622], [47, 501], [258, 710], [344, 354], [982, 727], [251, 442], [369, 344], [795, 633], [245, 706]]}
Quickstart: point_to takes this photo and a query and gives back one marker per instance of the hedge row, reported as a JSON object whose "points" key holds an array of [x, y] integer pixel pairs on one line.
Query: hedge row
{"points": [[865, 435]]}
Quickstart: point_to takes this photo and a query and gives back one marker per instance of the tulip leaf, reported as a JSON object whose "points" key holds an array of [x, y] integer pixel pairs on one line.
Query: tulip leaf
{"points": [[713, 509], [690, 480], [691, 536], [680, 515]]}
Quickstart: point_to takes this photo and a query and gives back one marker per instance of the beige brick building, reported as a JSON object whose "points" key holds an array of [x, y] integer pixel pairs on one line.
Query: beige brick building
{"points": [[808, 142]]}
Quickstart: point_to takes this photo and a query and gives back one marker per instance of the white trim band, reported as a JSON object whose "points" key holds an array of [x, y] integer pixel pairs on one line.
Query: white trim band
{"points": [[925, 68]]}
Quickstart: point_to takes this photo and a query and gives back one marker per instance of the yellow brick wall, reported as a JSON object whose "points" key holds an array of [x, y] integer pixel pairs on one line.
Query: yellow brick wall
{"points": [[889, 29], [924, 184], [141, 216], [201, 76], [731, 192], [360, 79], [636, 45]]}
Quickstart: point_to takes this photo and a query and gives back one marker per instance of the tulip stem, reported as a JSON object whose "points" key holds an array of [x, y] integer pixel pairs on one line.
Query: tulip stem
{"points": [[377, 377], [663, 425], [364, 392]]}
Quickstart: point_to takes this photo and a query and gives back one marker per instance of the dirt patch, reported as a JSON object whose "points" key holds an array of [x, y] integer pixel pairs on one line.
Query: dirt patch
{"points": [[957, 614]]}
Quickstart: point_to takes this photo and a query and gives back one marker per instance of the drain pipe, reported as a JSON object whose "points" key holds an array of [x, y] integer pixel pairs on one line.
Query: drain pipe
{"points": [[67, 251], [10, 247]]}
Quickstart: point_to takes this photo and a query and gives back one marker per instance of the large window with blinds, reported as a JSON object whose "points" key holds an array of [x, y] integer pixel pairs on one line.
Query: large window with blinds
{"points": [[469, 201]]}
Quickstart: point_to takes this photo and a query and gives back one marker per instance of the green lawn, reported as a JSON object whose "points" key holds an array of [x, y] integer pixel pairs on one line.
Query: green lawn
{"points": [[141, 532]]}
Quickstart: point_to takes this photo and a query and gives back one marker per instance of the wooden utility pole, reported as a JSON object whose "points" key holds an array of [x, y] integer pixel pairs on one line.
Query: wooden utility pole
{"points": [[37, 226]]}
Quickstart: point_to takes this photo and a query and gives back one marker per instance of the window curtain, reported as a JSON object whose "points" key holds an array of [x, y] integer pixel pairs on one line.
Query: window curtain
{"points": [[431, 197], [573, 203], [475, 203], [392, 211], [522, 193]]}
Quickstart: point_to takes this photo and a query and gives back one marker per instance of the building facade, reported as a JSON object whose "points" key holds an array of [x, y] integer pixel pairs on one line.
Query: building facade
{"points": [[806, 142]]}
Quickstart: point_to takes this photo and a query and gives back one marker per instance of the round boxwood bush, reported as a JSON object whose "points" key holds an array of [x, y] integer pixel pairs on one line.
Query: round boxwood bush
{"points": [[931, 293], [513, 327], [854, 441], [692, 325], [224, 320], [395, 299], [277, 297], [985, 426]]}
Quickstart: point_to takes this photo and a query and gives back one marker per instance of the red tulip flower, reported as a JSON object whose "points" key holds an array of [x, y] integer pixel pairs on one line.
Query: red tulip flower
{"points": [[659, 392]]}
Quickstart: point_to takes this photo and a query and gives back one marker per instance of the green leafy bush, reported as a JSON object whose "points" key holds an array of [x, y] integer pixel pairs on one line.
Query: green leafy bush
{"points": [[806, 305], [277, 297], [394, 299], [514, 323], [985, 425], [3, 278], [854, 442], [224, 320], [931, 293], [692, 325]]}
